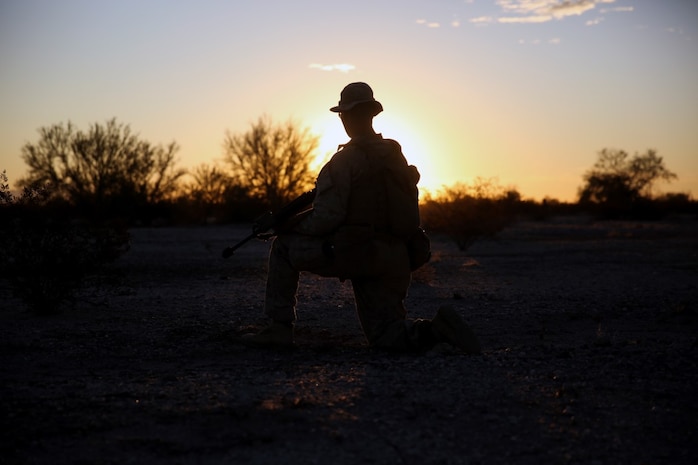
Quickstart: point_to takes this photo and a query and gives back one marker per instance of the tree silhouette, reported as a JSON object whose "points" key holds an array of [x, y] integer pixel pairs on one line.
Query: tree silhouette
{"points": [[105, 166], [209, 184], [272, 162], [617, 182], [207, 192]]}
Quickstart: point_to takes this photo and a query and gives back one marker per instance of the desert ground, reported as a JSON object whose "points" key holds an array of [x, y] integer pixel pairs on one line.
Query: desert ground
{"points": [[589, 357]]}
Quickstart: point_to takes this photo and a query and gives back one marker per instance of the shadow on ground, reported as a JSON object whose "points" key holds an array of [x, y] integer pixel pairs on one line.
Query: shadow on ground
{"points": [[589, 336]]}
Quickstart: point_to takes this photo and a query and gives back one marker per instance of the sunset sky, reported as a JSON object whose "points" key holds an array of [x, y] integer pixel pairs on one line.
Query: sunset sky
{"points": [[523, 91]]}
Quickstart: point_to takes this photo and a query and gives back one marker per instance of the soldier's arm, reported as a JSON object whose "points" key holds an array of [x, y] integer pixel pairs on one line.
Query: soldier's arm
{"points": [[331, 200]]}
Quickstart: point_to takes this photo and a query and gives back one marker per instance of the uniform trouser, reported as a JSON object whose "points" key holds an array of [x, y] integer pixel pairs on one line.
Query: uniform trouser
{"points": [[380, 276]]}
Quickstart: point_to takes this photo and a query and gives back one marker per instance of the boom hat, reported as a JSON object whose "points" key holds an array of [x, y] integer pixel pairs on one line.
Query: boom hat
{"points": [[354, 94]]}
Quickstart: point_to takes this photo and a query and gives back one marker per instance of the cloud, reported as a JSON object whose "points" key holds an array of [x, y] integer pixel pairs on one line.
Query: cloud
{"points": [[429, 24], [572, 8], [595, 22], [679, 32], [541, 11], [455, 23], [525, 19], [553, 41], [342, 67], [482, 20], [618, 9]]}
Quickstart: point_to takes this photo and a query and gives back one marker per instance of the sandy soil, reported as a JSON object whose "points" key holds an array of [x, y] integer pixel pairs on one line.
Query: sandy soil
{"points": [[588, 330]]}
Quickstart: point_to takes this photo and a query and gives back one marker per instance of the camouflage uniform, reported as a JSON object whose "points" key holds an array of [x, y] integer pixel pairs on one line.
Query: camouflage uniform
{"points": [[342, 237]]}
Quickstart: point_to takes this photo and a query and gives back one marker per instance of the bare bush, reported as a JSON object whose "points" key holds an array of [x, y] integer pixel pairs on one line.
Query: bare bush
{"points": [[272, 162], [106, 168]]}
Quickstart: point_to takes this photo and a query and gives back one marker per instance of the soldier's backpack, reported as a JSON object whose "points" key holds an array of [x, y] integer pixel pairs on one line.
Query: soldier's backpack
{"points": [[399, 181]]}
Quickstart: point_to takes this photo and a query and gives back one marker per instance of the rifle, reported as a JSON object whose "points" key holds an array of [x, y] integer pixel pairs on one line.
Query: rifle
{"points": [[270, 220]]}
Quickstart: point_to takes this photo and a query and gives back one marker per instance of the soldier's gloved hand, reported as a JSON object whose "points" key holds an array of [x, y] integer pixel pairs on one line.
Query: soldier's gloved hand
{"points": [[263, 224], [290, 224]]}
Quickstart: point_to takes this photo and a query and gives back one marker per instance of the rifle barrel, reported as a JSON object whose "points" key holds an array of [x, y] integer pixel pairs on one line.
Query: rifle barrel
{"points": [[229, 251], [280, 217]]}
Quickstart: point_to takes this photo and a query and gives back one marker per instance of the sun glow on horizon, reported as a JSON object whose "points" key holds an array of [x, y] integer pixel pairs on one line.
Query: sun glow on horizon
{"points": [[413, 147], [331, 133]]}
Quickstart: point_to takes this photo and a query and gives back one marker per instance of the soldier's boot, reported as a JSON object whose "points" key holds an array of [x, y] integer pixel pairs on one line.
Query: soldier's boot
{"points": [[277, 334], [448, 326]]}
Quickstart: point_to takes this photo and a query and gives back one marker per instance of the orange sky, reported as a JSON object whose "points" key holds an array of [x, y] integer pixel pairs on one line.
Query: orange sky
{"points": [[523, 92]]}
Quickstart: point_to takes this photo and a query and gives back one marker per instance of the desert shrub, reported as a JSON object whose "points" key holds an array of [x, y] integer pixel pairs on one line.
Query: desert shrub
{"points": [[466, 213], [46, 254], [678, 203], [545, 209], [620, 186]]}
